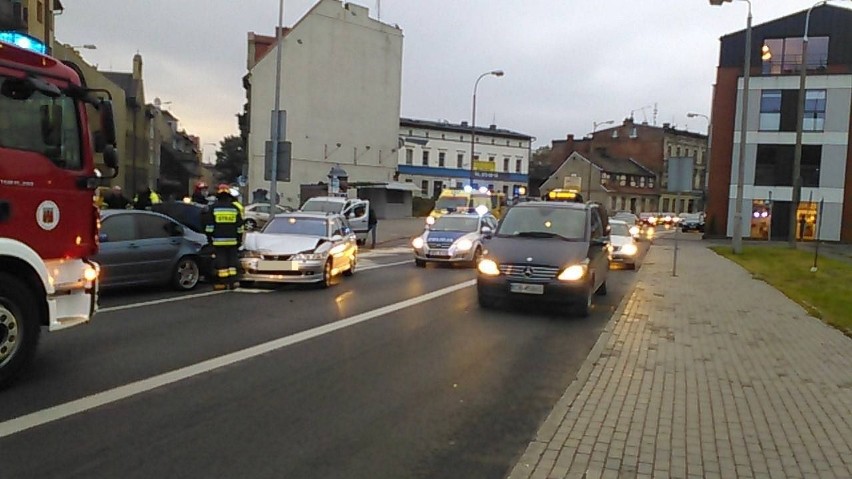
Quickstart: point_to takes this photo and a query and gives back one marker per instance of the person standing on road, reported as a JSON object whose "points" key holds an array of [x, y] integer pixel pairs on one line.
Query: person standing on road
{"points": [[116, 200], [224, 228], [372, 221], [145, 199]]}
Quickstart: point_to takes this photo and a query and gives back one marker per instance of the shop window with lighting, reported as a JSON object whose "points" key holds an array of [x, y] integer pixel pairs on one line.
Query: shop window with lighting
{"points": [[784, 55]]}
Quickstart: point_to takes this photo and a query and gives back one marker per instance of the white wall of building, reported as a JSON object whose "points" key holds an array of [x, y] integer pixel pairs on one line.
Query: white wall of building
{"points": [[340, 85]]}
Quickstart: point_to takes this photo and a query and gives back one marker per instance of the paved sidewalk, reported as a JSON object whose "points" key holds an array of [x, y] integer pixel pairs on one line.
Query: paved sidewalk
{"points": [[710, 374]]}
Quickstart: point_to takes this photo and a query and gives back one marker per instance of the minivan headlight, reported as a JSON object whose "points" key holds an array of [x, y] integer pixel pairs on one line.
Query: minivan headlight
{"points": [[629, 249], [573, 272], [488, 267]]}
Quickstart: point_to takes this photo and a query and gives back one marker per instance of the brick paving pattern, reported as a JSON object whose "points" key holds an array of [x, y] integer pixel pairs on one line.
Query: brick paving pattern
{"points": [[710, 374]]}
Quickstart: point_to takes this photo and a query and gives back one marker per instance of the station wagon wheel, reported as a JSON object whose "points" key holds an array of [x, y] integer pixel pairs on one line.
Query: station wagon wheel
{"points": [[326, 274], [353, 261], [186, 274]]}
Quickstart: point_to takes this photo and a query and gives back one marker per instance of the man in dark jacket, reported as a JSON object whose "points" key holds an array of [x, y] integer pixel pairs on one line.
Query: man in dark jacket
{"points": [[372, 221], [224, 228], [116, 200]]}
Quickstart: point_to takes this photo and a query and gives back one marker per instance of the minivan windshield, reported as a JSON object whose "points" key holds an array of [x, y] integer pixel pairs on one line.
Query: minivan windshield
{"points": [[619, 229], [566, 223], [451, 203]]}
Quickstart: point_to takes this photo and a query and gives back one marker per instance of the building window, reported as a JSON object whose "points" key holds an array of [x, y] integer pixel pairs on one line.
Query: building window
{"points": [[40, 12], [441, 158], [612, 203], [443, 136], [633, 181], [774, 165], [458, 185], [784, 55], [678, 152], [505, 164], [492, 141], [507, 143], [409, 156], [669, 148], [506, 190], [622, 180], [641, 182], [633, 133], [518, 166], [770, 110], [814, 119], [427, 134], [424, 187], [650, 183], [425, 157], [460, 160], [615, 133], [491, 158]]}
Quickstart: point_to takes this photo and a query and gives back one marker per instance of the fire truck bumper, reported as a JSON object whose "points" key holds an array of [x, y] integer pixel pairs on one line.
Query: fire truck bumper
{"points": [[75, 296]]}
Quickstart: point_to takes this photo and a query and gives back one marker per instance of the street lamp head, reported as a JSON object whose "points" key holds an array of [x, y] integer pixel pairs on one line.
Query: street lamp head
{"points": [[497, 73]]}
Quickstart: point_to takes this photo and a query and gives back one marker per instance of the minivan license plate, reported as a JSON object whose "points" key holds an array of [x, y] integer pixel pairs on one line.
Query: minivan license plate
{"points": [[526, 288]]}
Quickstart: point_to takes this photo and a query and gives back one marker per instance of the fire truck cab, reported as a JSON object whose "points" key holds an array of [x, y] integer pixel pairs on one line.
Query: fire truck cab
{"points": [[48, 220]]}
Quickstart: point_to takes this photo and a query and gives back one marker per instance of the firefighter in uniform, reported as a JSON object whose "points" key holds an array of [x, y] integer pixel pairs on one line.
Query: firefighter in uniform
{"points": [[224, 229]]}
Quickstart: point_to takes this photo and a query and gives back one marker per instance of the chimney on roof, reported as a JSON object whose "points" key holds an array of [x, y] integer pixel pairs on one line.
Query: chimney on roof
{"points": [[464, 123], [492, 126], [667, 125], [569, 143], [137, 67]]}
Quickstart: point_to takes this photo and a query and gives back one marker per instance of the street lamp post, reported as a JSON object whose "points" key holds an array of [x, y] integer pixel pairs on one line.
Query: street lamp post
{"points": [[497, 73], [737, 239], [800, 118], [596, 124], [276, 116], [706, 154]]}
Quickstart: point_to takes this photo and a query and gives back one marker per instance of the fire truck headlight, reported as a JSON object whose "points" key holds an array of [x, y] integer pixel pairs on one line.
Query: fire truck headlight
{"points": [[90, 273]]}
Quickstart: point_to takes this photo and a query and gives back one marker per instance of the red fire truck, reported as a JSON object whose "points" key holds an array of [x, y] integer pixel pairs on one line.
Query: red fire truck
{"points": [[48, 221]]}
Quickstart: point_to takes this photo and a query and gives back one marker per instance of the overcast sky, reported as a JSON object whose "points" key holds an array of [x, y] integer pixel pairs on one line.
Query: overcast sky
{"points": [[568, 63]]}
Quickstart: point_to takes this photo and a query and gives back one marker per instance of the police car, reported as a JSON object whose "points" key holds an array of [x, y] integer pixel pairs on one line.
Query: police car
{"points": [[454, 238]]}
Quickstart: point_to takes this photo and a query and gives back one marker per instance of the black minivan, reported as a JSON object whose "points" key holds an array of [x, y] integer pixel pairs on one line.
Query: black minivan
{"points": [[549, 251]]}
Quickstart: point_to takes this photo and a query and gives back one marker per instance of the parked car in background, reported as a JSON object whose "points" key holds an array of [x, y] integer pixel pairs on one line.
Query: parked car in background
{"points": [[453, 238], [257, 214], [356, 211], [692, 222], [626, 216], [547, 251], [299, 247], [624, 248], [144, 247]]}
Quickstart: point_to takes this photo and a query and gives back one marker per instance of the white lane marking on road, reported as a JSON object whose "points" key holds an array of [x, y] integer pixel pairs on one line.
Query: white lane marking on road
{"points": [[368, 267], [158, 301], [61, 411], [386, 251]]}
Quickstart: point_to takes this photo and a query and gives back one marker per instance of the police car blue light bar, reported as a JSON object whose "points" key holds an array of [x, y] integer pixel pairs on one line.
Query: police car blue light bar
{"points": [[24, 41]]}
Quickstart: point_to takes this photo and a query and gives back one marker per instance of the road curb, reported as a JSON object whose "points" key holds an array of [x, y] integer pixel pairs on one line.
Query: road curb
{"points": [[525, 466]]}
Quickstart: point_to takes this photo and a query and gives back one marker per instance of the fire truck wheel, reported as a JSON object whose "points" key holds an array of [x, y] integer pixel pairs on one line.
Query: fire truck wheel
{"points": [[19, 327]]}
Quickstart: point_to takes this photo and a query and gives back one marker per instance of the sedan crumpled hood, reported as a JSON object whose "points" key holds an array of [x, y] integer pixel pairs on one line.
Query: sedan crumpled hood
{"points": [[543, 251], [280, 244]]}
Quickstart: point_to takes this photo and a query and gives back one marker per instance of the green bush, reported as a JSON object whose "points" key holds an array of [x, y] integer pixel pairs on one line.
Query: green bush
{"points": [[422, 206]]}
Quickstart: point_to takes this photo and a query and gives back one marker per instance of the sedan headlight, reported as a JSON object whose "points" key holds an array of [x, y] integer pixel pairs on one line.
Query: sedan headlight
{"points": [[309, 257], [488, 267], [464, 244], [629, 249], [417, 243], [573, 272], [247, 253]]}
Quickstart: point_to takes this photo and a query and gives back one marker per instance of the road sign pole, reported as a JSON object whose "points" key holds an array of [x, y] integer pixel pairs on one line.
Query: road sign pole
{"points": [[676, 235]]}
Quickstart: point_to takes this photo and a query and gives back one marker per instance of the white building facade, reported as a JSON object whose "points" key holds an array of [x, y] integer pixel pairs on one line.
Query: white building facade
{"points": [[436, 155], [341, 74]]}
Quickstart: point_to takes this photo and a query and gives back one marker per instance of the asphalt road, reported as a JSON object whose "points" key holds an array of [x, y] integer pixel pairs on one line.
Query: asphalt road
{"points": [[394, 373]]}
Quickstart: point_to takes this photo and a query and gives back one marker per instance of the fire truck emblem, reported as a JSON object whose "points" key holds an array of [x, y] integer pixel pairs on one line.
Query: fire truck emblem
{"points": [[47, 215]]}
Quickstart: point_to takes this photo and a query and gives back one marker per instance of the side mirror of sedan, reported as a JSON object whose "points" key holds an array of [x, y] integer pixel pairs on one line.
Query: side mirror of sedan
{"points": [[487, 231], [103, 238]]}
